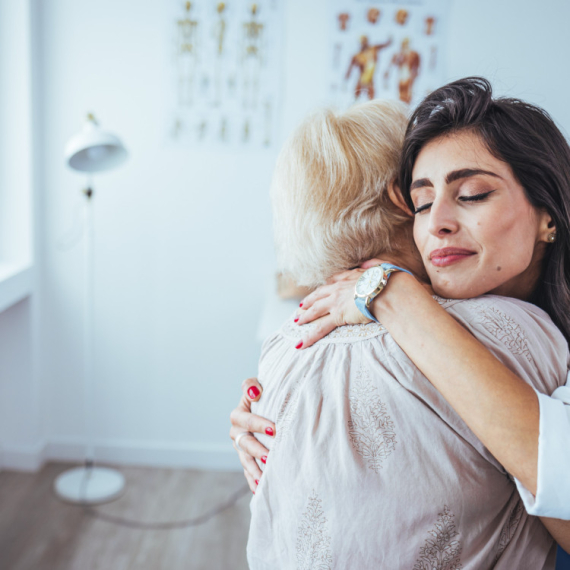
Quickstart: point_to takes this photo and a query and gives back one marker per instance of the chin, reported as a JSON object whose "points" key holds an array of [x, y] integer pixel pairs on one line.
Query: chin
{"points": [[456, 290]]}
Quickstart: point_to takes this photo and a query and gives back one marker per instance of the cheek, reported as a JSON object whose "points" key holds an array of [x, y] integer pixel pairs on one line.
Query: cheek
{"points": [[420, 233], [508, 239]]}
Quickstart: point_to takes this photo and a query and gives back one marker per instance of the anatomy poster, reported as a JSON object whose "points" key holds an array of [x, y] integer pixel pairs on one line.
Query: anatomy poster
{"points": [[225, 72], [386, 48]]}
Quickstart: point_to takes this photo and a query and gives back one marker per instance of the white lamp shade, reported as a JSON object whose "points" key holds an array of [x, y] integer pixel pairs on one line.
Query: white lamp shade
{"points": [[94, 150]]}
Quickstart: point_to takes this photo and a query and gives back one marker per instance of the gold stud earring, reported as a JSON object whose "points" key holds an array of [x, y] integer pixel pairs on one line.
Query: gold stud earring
{"points": [[552, 237]]}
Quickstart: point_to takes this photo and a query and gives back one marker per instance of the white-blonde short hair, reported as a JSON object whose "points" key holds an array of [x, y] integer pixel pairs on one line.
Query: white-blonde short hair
{"points": [[331, 209]]}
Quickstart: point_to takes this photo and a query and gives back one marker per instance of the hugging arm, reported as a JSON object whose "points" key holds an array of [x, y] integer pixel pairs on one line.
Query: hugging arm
{"points": [[472, 380], [499, 407]]}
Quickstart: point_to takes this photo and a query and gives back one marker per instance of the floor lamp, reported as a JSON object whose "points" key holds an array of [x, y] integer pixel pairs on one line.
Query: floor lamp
{"points": [[92, 150]]}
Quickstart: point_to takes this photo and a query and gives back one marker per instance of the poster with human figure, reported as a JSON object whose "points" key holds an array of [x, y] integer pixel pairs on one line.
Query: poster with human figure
{"points": [[224, 62], [387, 49]]}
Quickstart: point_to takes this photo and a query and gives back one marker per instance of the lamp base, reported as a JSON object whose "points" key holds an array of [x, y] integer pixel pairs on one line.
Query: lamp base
{"points": [[89, 485]]}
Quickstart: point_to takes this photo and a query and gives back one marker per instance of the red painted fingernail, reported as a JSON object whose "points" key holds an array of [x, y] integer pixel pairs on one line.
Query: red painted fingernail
{"points": [[299, 345], [296, 319], [264, 459], [257, 481], [253, 492], [300, 304], [253, 392], [269, 431]]}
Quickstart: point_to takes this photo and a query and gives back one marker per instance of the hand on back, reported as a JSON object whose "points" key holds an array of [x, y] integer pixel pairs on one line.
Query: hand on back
{"points": [[243, 420]]}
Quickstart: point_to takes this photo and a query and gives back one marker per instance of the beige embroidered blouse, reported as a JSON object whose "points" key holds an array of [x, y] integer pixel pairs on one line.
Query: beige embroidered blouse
{"points": [[372, 469]]}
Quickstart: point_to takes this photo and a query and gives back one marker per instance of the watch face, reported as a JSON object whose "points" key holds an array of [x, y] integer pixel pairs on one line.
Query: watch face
{"points": [[369, 281]]}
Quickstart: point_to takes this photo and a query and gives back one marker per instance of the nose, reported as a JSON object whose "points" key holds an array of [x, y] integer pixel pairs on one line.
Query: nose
{"points": [[442, 218]]}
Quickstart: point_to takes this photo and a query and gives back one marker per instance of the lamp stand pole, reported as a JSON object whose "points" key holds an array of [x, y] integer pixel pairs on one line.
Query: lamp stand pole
{"points": [[89, 485]]}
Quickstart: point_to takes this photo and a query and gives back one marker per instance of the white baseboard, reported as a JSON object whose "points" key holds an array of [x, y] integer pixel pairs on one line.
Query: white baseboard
{"points": [[22, 457], [217, 457]]}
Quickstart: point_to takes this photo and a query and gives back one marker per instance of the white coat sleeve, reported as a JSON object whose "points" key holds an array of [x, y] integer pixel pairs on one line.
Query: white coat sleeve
{"points": [[553, 476]]}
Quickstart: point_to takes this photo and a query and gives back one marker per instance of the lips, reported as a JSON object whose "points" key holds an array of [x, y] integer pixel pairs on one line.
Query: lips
{"points": [[449, 255]]}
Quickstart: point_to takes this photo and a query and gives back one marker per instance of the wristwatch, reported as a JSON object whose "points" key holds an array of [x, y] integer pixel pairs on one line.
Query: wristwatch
{"points": [[371, 284]]}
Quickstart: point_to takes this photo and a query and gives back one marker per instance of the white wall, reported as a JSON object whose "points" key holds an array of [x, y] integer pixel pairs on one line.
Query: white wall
{"points": [[182, 245], [183, 241], [15, 136], [20, 415], [520, 45], [20, 393]]}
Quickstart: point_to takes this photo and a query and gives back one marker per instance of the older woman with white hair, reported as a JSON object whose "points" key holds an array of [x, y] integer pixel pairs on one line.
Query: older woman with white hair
{"points": [[370, 466]]}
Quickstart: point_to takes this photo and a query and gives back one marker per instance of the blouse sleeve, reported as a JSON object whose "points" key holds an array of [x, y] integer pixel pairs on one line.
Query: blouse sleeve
{"points": [[553, 476]]}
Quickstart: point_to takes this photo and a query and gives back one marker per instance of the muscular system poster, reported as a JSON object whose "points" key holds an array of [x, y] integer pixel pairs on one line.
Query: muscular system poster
{"points": [[386, 48]]}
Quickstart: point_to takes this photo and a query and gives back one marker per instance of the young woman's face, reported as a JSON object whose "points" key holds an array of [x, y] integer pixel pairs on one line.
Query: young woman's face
{"points": [[476, 231]]}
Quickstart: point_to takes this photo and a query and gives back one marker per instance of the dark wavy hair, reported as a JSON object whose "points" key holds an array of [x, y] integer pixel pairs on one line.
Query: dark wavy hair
{"points": [[526, 138]]}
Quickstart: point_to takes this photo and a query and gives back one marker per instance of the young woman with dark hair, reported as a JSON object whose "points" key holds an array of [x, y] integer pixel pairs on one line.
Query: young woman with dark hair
{"points": [[471, 165], [522, 136]]}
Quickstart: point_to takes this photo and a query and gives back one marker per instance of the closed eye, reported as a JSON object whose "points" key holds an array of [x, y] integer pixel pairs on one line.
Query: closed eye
{"points": [[475, 198], [422, 208]]}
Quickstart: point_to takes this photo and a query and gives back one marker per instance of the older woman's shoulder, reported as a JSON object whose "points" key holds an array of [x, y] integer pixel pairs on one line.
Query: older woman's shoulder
{"points": [[493, 307], [513, 327]]}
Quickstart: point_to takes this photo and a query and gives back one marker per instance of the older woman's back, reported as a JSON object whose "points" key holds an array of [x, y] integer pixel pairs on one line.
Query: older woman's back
{"points": [[371, 468]]}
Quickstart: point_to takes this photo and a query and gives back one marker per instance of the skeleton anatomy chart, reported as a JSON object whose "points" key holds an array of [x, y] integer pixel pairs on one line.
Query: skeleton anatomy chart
{"points": [[386, 48], [225, 72]]}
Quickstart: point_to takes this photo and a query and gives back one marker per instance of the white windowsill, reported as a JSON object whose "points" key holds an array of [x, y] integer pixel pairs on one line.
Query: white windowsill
{"points": [[16, 283]]}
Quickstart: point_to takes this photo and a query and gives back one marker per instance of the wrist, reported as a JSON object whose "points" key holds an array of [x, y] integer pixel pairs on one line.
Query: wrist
{"points": [[395, 295]]}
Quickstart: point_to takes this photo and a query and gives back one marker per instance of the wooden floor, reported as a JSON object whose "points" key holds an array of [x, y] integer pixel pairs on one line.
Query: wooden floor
{"points": [[39, 532]]}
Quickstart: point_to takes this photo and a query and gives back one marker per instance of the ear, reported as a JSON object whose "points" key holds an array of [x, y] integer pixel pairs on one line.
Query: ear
{"points": [[397, 198], [546, 226]]}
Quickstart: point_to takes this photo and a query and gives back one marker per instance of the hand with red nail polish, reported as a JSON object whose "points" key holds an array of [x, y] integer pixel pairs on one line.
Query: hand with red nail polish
{"points": [[251, 450], [253, 393], [330, 306]]}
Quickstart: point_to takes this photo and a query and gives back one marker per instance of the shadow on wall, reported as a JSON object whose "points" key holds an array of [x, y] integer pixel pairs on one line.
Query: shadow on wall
{"points": [[562, 560]]}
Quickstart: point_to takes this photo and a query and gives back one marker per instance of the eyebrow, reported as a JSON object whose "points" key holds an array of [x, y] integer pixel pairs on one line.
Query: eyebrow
{"points": [[453, 176]]}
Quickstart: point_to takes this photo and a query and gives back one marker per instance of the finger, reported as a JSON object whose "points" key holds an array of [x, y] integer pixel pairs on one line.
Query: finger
{"points": [[323, 327], [371, 263], [250, 481], [250, 465], [299, 313], [250, 445], [317, 310], [243, 420], [252, 389], [318, 293]]}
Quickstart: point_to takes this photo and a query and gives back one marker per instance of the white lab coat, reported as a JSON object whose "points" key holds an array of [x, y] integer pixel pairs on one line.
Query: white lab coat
{"points": [[553, 485]]}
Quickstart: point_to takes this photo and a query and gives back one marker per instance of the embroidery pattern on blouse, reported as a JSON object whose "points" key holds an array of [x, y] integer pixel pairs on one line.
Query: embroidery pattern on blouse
{"points": [[286, 413], [504, 328], [443, 549], [313, 542], [445, 302], [370, 428], [508, 531]]}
